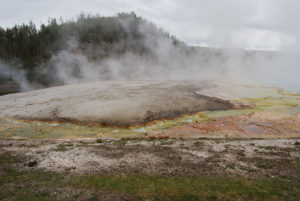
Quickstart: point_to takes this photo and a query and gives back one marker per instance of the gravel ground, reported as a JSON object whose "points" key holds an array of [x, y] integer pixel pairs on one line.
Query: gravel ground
{"points": [[250, 158]]}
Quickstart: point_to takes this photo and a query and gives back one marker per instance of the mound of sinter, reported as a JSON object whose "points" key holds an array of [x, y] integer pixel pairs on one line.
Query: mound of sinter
{"points": [[112, 103]]}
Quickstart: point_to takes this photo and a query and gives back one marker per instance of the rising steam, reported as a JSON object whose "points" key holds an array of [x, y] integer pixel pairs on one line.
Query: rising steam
{"points": [[166, 61]]}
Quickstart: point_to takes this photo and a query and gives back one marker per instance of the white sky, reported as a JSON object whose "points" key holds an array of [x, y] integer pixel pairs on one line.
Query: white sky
{"points": [[249, 24]]}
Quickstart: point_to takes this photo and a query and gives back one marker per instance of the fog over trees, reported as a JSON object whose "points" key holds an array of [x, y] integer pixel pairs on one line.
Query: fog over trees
{"points": [[124, 46], [27, 47]]}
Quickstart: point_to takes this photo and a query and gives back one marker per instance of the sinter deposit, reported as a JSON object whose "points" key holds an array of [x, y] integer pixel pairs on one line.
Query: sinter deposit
{"points": [[113, 103]]}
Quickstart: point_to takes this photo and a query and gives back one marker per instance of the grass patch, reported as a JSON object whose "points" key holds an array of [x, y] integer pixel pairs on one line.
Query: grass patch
{"points": [[84, 142], [203, 138], [198, 144], [100, 141], [231, 166], [60, 147], [190, 188], [120, 142]]}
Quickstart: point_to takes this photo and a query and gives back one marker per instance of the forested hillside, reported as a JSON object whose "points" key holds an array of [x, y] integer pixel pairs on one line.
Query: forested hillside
{"points": [[28, 47]]}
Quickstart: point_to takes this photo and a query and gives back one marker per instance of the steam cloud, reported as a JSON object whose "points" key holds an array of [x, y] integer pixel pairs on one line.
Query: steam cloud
{"points": [[16, 75], [276, 68]]}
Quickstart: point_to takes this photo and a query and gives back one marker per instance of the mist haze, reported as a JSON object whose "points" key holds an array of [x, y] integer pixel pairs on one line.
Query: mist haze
{"points": [[253, 42]]}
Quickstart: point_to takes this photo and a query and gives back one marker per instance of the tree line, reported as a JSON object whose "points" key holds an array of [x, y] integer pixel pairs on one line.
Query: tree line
{"points": [[27, 46]]}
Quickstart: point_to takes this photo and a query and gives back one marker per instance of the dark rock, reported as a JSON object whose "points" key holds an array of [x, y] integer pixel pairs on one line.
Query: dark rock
{"points": [[32, 163]]}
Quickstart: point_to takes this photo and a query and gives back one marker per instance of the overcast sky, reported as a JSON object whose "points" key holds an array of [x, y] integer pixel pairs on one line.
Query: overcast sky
{"points": [[249, 24]]}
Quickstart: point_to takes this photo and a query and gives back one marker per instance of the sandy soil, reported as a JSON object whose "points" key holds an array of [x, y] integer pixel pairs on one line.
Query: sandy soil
{"points": [[250, 158]]}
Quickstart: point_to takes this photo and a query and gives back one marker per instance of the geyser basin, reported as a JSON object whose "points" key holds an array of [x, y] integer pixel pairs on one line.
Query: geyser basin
{"points": [[112, 103], [273, 113]]}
